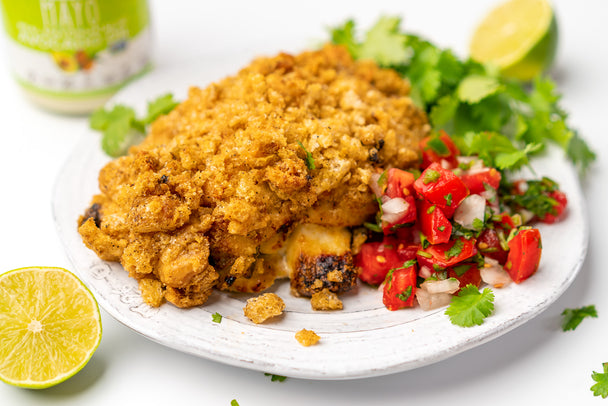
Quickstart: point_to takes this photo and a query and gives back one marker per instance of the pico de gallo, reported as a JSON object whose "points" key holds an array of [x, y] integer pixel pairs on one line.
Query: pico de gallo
{"points": [[454, 222]]}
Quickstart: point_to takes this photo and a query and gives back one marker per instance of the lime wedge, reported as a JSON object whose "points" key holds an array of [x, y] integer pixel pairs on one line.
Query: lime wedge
{"points": [[519, 36], [50, 326]]}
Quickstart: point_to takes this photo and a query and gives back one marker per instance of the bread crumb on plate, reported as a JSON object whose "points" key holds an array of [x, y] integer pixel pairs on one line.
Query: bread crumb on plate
{"points": [[307, 337], [261, 308], [325, 300]]}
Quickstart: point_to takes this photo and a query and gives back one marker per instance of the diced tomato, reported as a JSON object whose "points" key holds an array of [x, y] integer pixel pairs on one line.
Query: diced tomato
{"points": [[506, 222], [465, 273], [375, 260], [437, 149], [447, 254], [399, 183], [475, 181], [524, 254], [400, 288], [407, 217], [407, 251], [560, 207], [442, 187], [488, 245], [433, 223]]}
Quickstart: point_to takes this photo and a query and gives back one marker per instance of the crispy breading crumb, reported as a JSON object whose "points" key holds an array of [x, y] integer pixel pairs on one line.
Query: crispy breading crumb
{"points": [[335, 276], [151, 291], [307, 337], [261, 308], [325, 300], [359, 238]]}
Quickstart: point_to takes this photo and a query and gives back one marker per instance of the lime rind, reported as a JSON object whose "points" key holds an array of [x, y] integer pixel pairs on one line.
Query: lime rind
{"points": [[519, 37], [94, 320]]}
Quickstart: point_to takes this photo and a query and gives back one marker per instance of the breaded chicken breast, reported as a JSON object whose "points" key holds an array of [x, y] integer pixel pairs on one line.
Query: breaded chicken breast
{"points": [[213, 195]]}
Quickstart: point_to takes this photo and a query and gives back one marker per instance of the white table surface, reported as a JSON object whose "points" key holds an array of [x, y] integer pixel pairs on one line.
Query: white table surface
{"points": [[536, 363]]}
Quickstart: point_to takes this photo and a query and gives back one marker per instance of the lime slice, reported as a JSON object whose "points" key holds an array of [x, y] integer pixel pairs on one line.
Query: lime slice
{"points": [[50, 326], [519, 36]]}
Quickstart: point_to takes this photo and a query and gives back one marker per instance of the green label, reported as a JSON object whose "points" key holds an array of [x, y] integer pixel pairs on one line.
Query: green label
{"points": [[73, 25]]}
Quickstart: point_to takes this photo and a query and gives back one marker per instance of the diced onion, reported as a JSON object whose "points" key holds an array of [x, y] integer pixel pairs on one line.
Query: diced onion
{"points": [[394, 209], [425, 272], [374, 186], [472, 207], [429, 301], [449, 286], [493, 274]]}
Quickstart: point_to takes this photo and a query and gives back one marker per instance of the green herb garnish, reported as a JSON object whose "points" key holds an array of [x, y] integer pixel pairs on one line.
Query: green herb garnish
{"points": [[310, 162], [601, 379], [471, 306], [274, 378], [216, 317], [121, 128], [571, 318]]}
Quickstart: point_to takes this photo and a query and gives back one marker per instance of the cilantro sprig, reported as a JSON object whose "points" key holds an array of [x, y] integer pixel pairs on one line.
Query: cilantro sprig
{"points": [[471, 306], [601, 386], [571, 318], [120, 126], [504, 121]]}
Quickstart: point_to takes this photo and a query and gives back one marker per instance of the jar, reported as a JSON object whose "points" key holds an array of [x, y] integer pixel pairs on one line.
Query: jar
{"points": [[70, 56]]}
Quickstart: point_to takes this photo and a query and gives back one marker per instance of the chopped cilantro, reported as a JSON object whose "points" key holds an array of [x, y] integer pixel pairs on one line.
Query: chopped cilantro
{"points": [[233, 402], [601, 379], [477, 224], [448, 199], [441, 228], [430, 176], [455, 250], [461, 269], [405, 295], [382, 179], [471, 306], [216, 317], [274, 378], [373, 226], [535, 199], [310, 162], [430, 210], [437, 145], [571, 318]]}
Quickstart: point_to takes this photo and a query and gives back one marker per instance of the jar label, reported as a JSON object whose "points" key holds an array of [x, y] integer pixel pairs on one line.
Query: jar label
{"points": [[76, 46]]}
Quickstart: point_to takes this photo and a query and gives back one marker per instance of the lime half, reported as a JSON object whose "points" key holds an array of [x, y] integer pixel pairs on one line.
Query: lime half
{"points": [[50, 326], [519, 36]]}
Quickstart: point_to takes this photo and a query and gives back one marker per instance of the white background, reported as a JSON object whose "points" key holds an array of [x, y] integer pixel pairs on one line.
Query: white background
{"points": [[534, 364]]}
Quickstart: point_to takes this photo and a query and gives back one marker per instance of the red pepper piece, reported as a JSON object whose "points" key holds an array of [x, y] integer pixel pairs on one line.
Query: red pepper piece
{"points": [[439, 148], [524, 254], [442, 187], [447, 254], [400, 288], [375, 260], [560, 207], [475, 181], [433, 223]]}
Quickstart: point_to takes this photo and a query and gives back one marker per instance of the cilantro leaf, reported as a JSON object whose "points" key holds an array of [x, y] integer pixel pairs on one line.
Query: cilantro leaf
{"points": [[345, 35], [601, 387], [275, 378], [233, 402], [385, 44], [471, 306], [216, 317], [120, 126], [571, 318], [160, 106], [475, 88], [455, 250]]}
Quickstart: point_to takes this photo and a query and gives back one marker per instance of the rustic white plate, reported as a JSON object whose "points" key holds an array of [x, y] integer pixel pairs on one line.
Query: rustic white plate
{"points": [[364, 339]]}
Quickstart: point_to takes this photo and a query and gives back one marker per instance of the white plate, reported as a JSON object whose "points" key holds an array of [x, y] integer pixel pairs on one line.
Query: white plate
{"points": [[363, 340]]}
